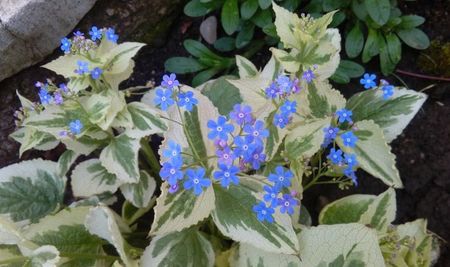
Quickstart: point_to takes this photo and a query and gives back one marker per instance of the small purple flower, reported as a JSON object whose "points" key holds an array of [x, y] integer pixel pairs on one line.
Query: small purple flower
{"points": [[296, 88], [225, 156], [164, 98], [284, 83], [281, 120], [281, 178], [335, 156], [308, 76], [344, 115], [45, 97], [220, 144], [171, 171], [66, 45], [350, 160], [173, 188], [227, 175], [368, 80], [256, 132], [219, 129], [63, 133], [187, 100], [388, 91], [170, 81], [95, 33], [349, 139], [111, 35], [330, 132], [38, 84], [196, 180], [272, 91], [289, 107], [241, 114], [271, 195], [96, 73], [263, 212], [257, 157], [63, 88], [83, 67], [58, 98], [75, 127], [287, 204]]}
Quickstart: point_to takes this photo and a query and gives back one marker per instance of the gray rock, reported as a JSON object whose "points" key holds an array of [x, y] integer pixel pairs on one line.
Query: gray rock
{"points": [[32, 29], [208, 29]]}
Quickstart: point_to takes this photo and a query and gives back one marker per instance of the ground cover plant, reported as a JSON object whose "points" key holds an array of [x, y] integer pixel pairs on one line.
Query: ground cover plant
{"points": [[237, 157]]}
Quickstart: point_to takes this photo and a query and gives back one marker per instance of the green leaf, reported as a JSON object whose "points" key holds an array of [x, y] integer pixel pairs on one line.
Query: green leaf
{"points": [[371, 48], [414, 38], [318, 246], [185, 248], [359, 9], [230, 16], [66, 160], [30, 189], [120, 157], [340, 77], [379, 10], [394, 47], [175, 212], [350, 68], [305, 139], [264, 4], [235, 219], [44, 256], [183, 65], [392, 114], [249, 255], [338, 19], [90, 178], [146, 120], [245, 35], [376, 212], [248, 8], [140, 194], [373, 153], [225, 44], [354, 42], [35, 139], [411, 21], [387, 65], [330, 5], [222, 93], [196, 8], [285, 23], [262, 18], [198, 49], [204, 76], [245, 67], [101, 222]]}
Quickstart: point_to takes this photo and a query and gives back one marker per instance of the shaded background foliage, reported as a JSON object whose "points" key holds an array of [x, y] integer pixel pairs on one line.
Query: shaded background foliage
{"points": [[423, 150]]}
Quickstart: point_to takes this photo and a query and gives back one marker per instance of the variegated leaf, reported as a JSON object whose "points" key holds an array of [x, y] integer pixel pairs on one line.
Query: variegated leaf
{"points": [[245, 67], [249, 255], [140, 194], [146, 120]]}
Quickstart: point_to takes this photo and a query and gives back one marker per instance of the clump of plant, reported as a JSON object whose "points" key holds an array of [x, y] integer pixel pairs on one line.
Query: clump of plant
{"points": [[373, 28], [237, 156]]}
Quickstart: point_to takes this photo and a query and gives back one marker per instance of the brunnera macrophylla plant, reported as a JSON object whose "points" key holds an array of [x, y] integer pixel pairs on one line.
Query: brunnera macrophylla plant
{"points": [[237, 156]]}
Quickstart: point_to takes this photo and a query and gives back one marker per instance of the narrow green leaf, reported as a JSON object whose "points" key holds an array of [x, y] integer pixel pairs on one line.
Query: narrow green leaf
{"points": [[248, 8], [183, 65], [354, 42], [204, 76], [225, 44], [387, 65], [264, 4], [196, 9], [394, 47], [411, 21], [198, 49], [371, 48], [245, 35], [230, 16], [414, 38], [379, 10], [351, 68]]}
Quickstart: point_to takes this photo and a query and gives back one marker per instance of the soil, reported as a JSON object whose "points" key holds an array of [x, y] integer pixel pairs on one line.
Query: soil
{"points": [[423, 150]]}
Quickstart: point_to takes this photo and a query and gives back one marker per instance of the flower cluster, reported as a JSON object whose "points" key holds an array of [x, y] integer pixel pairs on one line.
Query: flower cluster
{"points": [[80, 44], [83, 68], [51, 94], [169, 93], [274, 197], [369, 82]]}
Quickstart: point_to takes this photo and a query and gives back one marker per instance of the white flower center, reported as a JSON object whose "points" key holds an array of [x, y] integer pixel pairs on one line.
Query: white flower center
{"points": [[169, 82], [196, 181], [281, 178], [245, 147], [263, 212], [172, 171], [163, 98], [225, 156], [226, 174], [241, 115], [174, 153], [255, 133], [286, 204], [219, 129], [186, 99]]}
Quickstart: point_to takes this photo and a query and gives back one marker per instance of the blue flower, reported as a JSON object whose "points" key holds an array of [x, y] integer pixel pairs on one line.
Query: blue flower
{"points": [[58, 98], [170, 81], [95, 33], [330, 132], [45, 97], [171, 171], [96, 72], [244, 147], [65, 45], [308, 76], [271, 195], [287, 204], [75, 127], [227, 175], [225, 156], [368, 80], [344, 115], [284, 83], [173, 151], [350, 160], [335, 156], [163, 98], [219, 129], [196, 180], [63, 87], [281, 120], [281, 178], [349, 139], [272, 91], [111, 35], [241, 114], [289, 107], [388, 91], [257, 157], [83, 67], [78, 34], [263, 213], [256, 132], [351, 174], [187, 100]]}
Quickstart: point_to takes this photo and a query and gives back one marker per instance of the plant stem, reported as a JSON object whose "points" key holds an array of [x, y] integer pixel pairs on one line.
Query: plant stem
{"points": [[150, 157], [423, 76]]}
